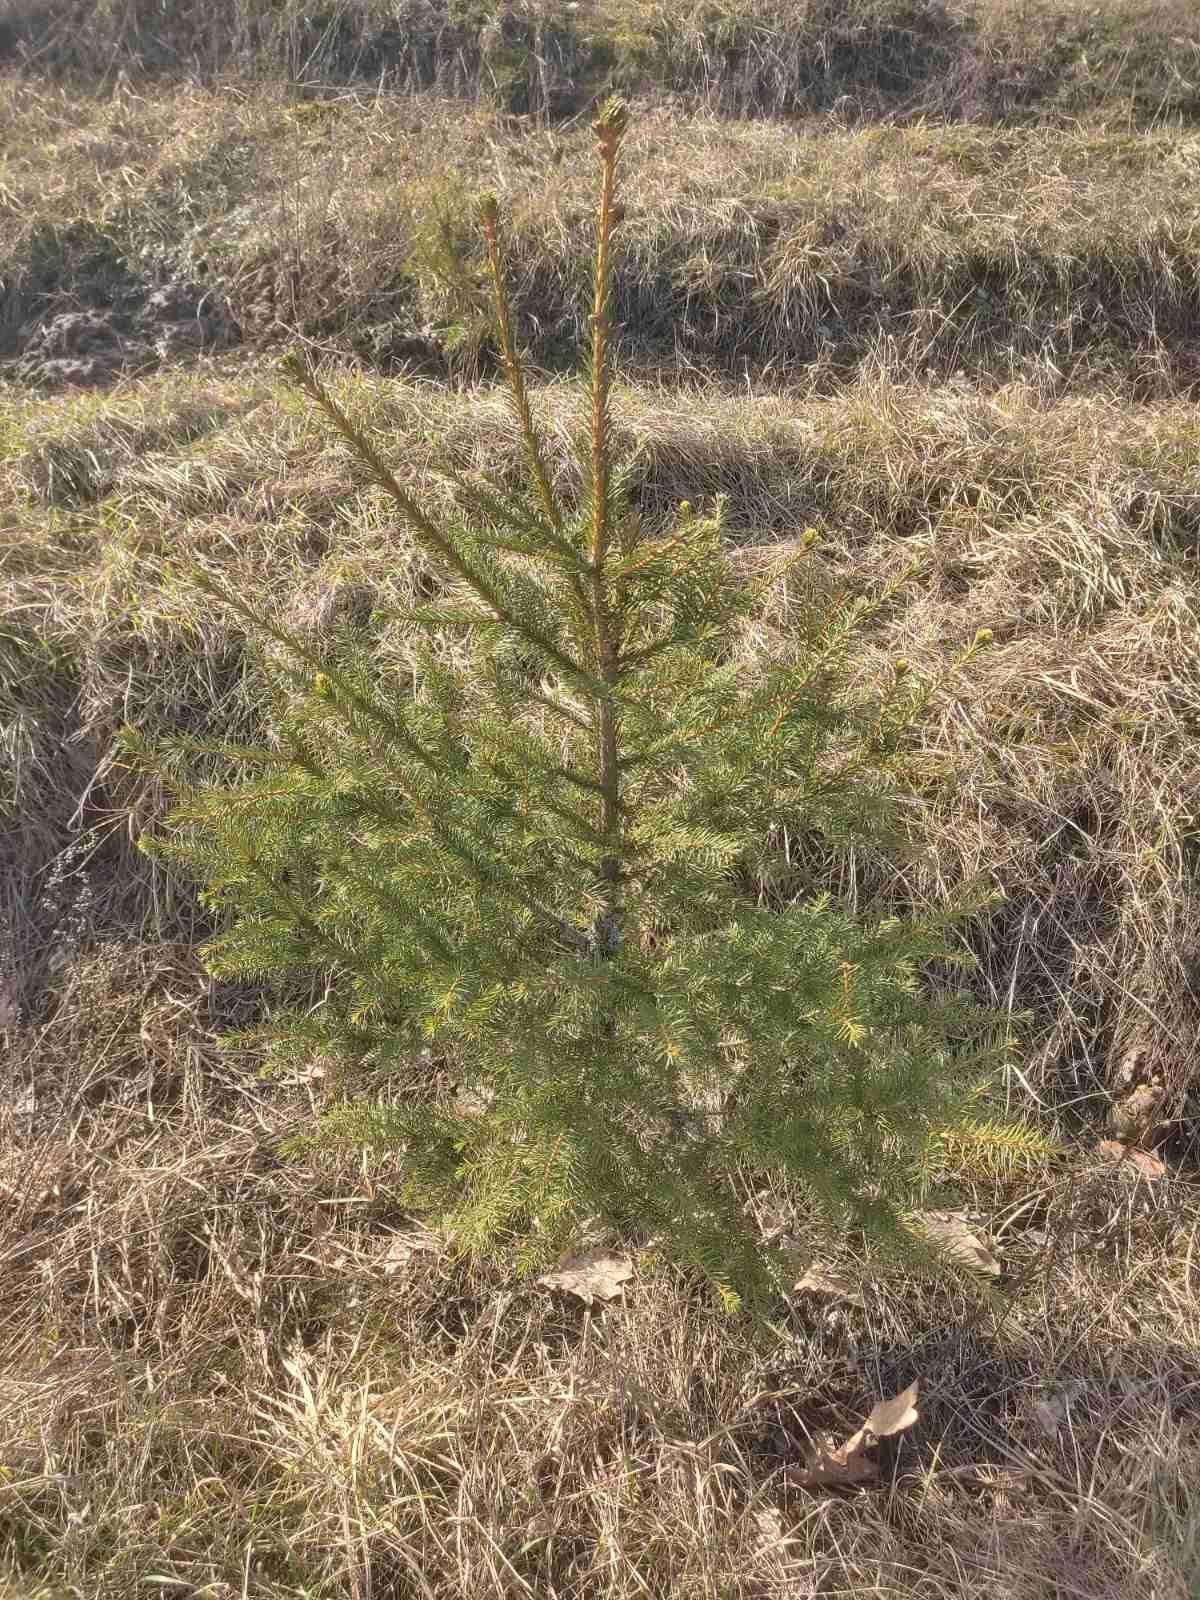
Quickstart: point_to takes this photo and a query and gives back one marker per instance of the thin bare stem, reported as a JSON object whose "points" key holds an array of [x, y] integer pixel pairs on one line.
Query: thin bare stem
{"points": [[609, 127], [489, 213]]}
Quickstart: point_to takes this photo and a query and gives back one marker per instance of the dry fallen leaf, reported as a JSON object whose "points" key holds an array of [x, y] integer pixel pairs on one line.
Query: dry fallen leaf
{"points": [[818, 1280], [590, 1275], [1136, 1116], [894, 1415], [401, 1248], [769, 1522], [1139, 1162], [1049, 1414], [948, 1230], [833, 1467], [849, 1463]]}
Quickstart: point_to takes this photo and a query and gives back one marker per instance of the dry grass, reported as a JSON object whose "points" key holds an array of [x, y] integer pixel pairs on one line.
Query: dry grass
{"points": [[227, 1372], [783, 255], [248, 1377], [1062, 764], [988, 60], [222, 1370]]}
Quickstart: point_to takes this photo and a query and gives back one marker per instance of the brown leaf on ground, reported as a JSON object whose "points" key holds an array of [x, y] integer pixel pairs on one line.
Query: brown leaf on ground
{"points": [[1049, 1414], [1137, 1116], [590, 1275], [819, 1280], [1141, 1163], [402, 1247], [835, 1468], [845, 1465], [948, 1231], [768, 1520], [894, 1415]]}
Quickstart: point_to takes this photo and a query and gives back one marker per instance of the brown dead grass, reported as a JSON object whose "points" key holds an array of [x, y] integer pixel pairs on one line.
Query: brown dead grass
{"points": [[230, 1372], [1062, 765], [752, 251], [222, 1372], [235, 1375], [982, 60]]}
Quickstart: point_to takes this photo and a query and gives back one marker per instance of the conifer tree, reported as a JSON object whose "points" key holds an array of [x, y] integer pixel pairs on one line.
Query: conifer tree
{"points": [[555, 862]]}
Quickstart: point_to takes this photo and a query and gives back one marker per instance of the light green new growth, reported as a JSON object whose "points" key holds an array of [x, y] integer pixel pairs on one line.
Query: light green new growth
{"points": [[555, 883]]}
